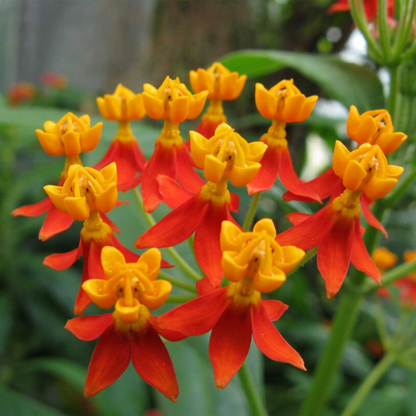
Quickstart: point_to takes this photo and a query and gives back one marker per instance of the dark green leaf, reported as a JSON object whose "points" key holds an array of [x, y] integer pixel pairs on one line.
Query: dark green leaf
{"points": [[346, 82]]}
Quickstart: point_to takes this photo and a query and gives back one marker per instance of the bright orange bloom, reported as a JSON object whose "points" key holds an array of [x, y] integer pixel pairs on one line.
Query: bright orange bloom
{"points": [[221, 84], [173, 103], [283, 103], [68, 137], [123, 106], [255, 264], [225, 155], [335, 229], [86, 195], [374, 127], [128, 333], [23, 92]]}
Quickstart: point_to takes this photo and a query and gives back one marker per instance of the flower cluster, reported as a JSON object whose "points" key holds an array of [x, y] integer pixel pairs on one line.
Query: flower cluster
{"points": [[193, 179]]}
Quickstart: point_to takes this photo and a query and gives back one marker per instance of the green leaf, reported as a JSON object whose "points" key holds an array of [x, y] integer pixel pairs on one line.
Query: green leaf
{"points": [[198, 395], [14, 403], [6, 320], [346, 82]]}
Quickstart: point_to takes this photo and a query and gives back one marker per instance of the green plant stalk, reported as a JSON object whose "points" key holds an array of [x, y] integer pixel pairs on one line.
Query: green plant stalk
{"points": [[391, 276], [368, 384], [179, 298], [177, 283], [362, 24], [404, 29], [248, 220], [182, 263], [392, 104], [253, 398], [308, 256], [342, 327], [383, 29]]}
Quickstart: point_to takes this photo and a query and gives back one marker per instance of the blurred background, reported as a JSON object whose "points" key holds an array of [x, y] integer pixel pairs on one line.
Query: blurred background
{"points": [[57, 56]]}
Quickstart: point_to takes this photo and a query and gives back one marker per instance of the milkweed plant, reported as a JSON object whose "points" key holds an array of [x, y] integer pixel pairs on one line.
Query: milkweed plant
{"points": [[227, 284]]}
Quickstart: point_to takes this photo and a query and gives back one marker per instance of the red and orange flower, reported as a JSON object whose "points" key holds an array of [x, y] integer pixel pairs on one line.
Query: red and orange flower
{"points": [[225, 156], [174, 103], [221, 84], [129, 332], [254, 263], [70, 136], [123, 106], [283, 103]]}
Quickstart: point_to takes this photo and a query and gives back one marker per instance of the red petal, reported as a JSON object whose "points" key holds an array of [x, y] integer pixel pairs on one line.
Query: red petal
{"points": [[108, 362], [269, 340], [109, 222], [371, 219], [204, 286], [235, 202], [334, 254], [129, 159], [207, 242], [274, 309], [360, 257], [229, 343], [176, 227], [267, 175], [291, 181], [92, 269], [55, 222], [152, 361], [172, 193], [162, 162], [129, 255], [63, 261], [308, 233], [196, 317], [324, 185], [88, 328], [33, 210], [207, 127], [296, 218], [187, 176]]}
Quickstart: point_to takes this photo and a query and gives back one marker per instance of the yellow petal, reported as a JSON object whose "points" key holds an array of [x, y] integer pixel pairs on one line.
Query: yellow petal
{"points": [[50, 143], [111, 260], [128, 313], [197, 105], [77, 207], [57, 196], [241, 176], [71, 141], [233, 271], [95, 289], [107, 199], [354, 175], [266, 283], [152, 258], [154, 106], [267, 225], [162, 289], [266, 103], [91, 138], [291, 257], [178, 109], [214, 169]]}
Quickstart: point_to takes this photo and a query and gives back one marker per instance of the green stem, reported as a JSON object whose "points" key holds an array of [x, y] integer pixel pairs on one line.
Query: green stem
{"points": [[181, 262], [383, 29], [252, 395], [179, 298], [251, 212], [369, 383], [342, 327], [177, 283], [362, 24], [394, 96], [309, 255], [391, 276]]}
